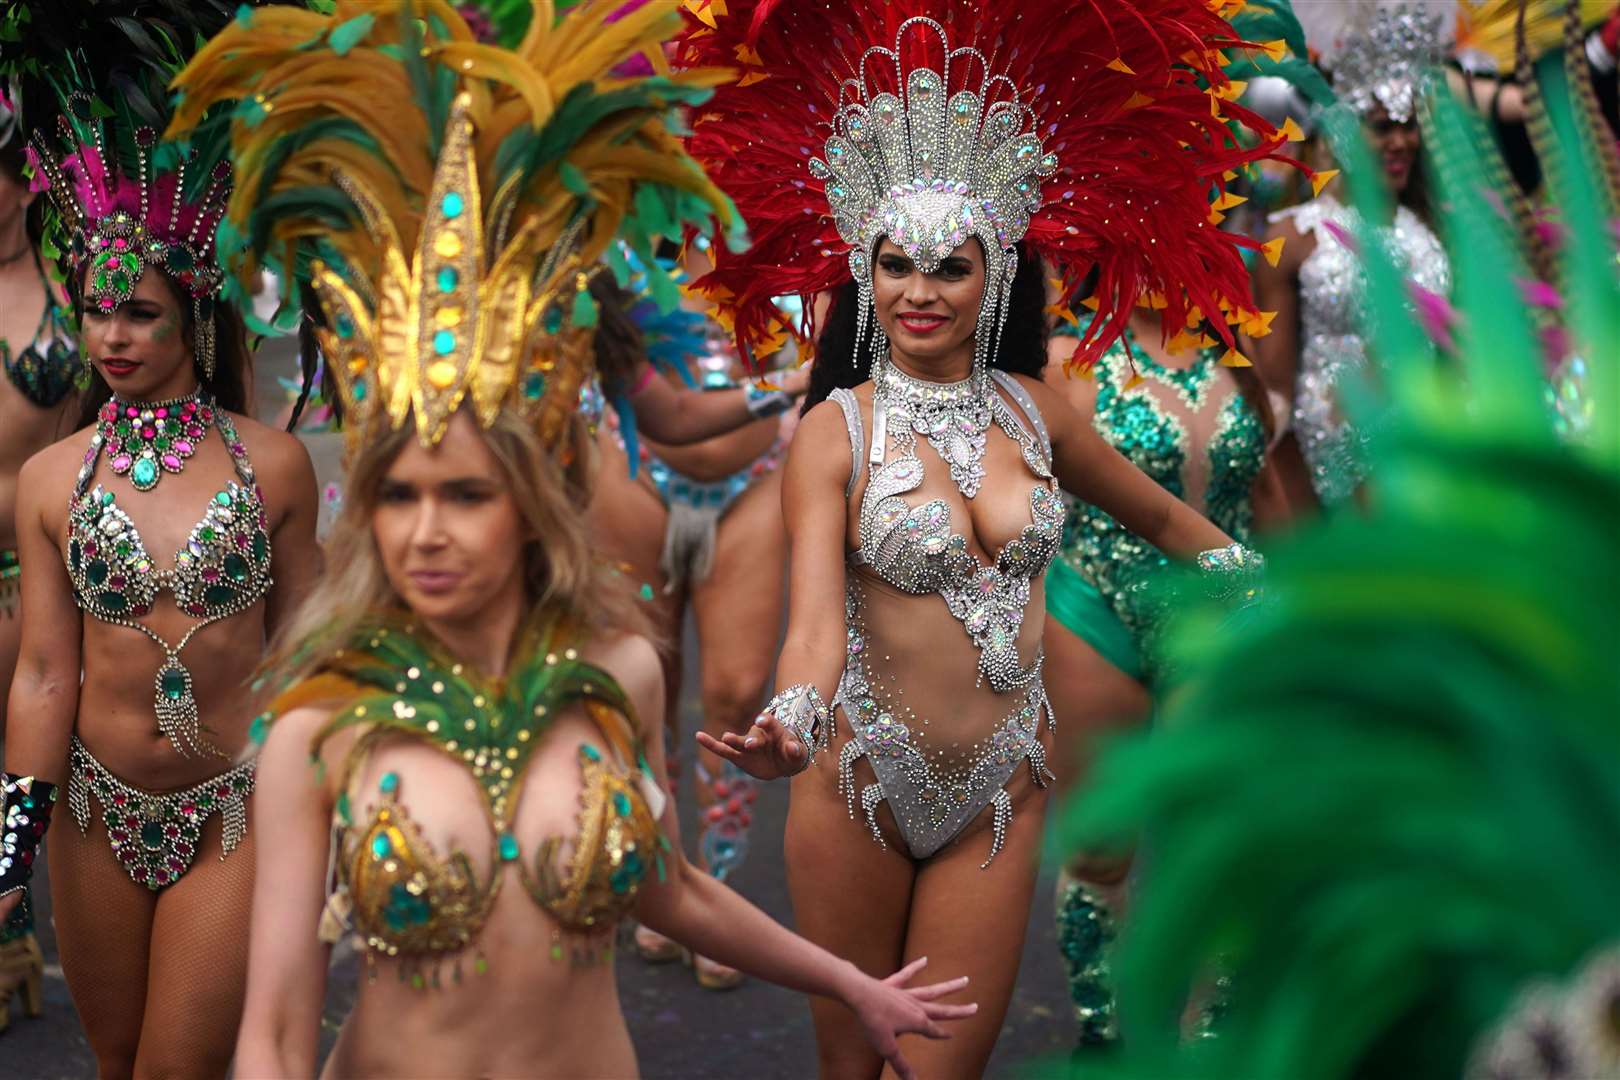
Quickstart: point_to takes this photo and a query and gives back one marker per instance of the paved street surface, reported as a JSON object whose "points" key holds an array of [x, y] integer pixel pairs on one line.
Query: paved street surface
{"points": [[681, 1031]]}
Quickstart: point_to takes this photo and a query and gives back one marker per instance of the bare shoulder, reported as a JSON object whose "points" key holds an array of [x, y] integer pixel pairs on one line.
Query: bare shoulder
{"points": [[633, 662], [1068, 382], [272, 445], [290, 737], [284, 761], [1038, 389], [280, 460], [821, 442], [47, 478]]}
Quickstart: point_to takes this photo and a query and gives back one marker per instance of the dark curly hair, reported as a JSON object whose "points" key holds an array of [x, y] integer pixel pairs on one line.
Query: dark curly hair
{"points": [[1023, 341]]}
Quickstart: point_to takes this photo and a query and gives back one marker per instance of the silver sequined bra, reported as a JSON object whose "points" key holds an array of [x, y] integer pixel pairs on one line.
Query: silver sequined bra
{"points": [[1331, 306], [914, 549]]}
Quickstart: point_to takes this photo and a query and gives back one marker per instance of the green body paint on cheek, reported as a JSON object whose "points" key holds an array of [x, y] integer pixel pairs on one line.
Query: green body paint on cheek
{"points": [[166, 327]]}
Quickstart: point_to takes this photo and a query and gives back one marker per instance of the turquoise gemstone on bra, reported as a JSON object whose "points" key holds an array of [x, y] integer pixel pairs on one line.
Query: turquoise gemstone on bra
{"points": [[380, 847], [509, 847]]}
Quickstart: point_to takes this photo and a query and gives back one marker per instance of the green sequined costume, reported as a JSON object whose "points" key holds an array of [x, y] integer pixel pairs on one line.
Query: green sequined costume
{"points": [[1095, 588]]}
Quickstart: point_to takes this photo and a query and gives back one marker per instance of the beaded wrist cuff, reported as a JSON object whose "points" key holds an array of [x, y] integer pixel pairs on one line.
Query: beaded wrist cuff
{"points": [[763, 404], [801, 710], [25, 813], [1233, 573]]}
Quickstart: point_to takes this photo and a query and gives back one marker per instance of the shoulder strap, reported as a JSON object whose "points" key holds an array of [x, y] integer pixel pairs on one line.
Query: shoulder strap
{"points": [[1016, 391], [857, 434]]}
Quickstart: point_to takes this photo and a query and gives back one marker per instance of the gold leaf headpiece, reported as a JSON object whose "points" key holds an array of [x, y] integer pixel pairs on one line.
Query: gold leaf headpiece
{"points": [[449, 243]]}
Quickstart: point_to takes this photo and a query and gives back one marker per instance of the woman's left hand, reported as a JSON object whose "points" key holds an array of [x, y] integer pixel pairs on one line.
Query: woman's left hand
{"points": [[888, 1008]]}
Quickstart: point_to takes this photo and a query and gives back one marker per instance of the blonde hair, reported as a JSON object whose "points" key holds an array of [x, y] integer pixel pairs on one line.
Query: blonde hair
{"points": [[551, 490]]}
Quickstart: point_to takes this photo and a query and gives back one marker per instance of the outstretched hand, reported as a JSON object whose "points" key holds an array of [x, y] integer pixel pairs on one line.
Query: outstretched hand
{"points": [[768, 750], [889, 1008]]}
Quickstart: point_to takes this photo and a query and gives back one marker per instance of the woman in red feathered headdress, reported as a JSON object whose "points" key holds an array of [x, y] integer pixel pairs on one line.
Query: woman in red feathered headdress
{"points": [[931, 164]]}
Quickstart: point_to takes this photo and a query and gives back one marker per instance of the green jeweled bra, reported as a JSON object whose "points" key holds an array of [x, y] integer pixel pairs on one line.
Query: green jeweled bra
{"points": [[408, 901], [223, 570]]}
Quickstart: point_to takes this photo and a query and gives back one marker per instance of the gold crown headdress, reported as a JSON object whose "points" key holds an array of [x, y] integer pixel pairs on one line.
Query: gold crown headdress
{"points": [[449, 243]]}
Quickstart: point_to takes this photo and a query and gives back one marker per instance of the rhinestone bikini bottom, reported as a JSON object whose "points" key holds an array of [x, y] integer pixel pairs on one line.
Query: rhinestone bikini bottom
{"points": [[155, 837], [930, 805]]}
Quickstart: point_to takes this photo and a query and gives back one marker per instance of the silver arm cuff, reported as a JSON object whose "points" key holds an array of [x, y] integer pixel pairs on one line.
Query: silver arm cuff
{"points": [[801, 710], [1234, 573]]}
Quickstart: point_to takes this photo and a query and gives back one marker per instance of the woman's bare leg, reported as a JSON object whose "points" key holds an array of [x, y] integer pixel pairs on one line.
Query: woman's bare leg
{"points": [[971, 921], [103, 933], [825, 851], [198, 969], [739, 621], [1092, 700], [627, 522]]}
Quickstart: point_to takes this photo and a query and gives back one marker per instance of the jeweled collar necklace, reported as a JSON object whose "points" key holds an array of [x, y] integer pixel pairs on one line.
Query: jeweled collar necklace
{"points": [[953, 417], [145, 439]]}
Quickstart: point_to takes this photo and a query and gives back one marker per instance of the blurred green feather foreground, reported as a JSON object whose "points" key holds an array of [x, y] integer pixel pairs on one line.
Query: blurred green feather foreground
{"points": [[1388, 805]]}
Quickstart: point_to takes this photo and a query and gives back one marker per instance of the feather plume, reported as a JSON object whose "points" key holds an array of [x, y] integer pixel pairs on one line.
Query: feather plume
{"points": [[1126, 94], [563, 153]]}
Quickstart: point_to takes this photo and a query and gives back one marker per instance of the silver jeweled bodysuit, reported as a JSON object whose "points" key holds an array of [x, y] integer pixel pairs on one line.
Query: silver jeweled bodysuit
{"points": [[935, 791], [1331, 341]]}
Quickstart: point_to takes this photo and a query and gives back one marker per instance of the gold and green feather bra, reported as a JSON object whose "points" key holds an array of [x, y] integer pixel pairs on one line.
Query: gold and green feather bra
{"points": [[398, 895]]}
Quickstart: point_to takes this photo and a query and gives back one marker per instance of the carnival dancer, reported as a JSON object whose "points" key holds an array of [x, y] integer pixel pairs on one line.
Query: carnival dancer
{"points": [[699, 528], [462, 719], [1200, 429], [1317, 342], [969, 144], [41, 360], [159, 549]]}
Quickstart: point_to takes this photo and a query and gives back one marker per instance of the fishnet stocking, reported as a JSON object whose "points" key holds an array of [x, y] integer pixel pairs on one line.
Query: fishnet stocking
{"points": [[103, 929], [158, 979], [197, 973]]}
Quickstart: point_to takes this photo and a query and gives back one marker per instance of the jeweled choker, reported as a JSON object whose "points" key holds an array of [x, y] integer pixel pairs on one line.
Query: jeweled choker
{"points": [[147, 439]]}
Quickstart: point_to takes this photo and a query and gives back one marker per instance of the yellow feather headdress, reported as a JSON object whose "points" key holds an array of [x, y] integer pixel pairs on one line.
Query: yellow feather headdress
{"points": [[446, 200]]}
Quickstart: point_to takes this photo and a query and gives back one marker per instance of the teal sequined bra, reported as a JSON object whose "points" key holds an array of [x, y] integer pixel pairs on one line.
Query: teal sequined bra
{"points": [[47, 368], [1156, 420]]}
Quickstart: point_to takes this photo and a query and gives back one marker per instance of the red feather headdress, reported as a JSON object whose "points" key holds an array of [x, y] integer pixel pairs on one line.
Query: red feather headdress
{"points": [[1125, 99]]}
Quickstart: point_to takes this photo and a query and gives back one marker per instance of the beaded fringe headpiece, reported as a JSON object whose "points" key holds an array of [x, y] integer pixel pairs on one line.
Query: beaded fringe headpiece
{"points": [[1098, 135], [126, 201]]}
